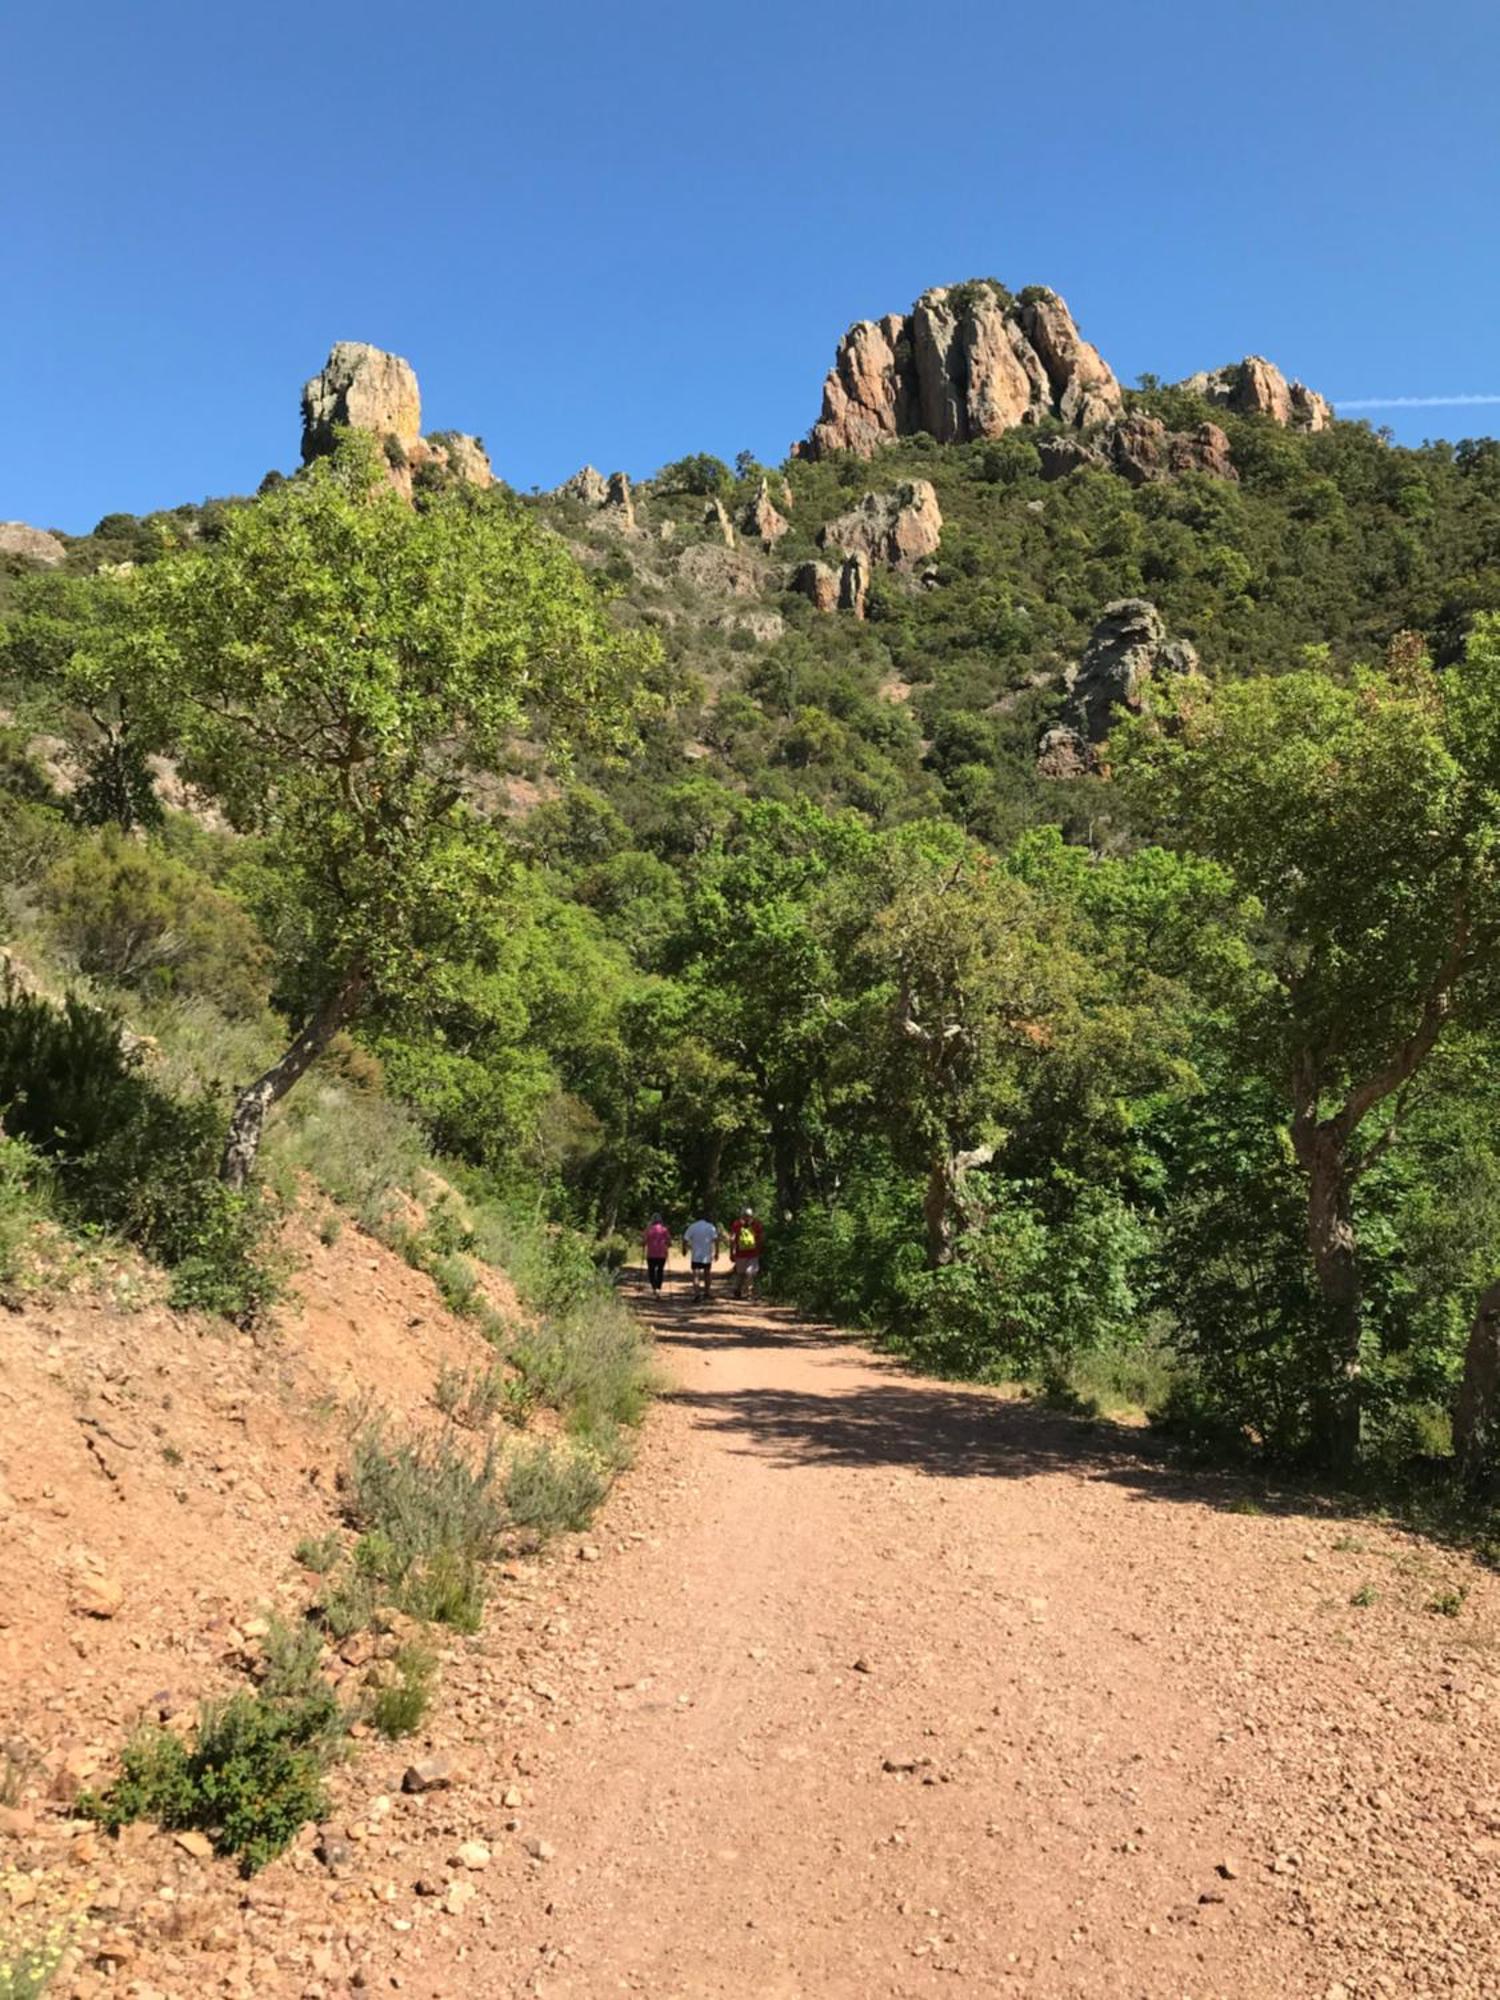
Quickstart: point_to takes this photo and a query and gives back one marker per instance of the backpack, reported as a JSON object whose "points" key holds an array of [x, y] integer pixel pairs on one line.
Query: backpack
{"points": [[744, 1239]]}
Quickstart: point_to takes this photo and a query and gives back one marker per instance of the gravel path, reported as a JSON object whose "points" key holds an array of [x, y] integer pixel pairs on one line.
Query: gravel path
{"points": [[899, 1688]]}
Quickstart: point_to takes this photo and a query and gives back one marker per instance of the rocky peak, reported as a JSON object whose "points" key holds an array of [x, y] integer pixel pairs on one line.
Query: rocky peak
{"points": [[360, 388], [762, 519], [968, 361], [1257, 388], [363, 388]]}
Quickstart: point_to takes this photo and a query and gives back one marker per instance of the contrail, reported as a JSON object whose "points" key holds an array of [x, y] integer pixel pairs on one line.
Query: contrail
{"points": [[1408, 402]]}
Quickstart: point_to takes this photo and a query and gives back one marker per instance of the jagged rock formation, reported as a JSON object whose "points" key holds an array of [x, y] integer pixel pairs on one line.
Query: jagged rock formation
{"points": [[1127, 649], [363, 388], [967, 361], [900, 527], [19, 538], [817, 583], [761, 518], [586, 485], [1257, 388], [1140, 448], [617, 497]]}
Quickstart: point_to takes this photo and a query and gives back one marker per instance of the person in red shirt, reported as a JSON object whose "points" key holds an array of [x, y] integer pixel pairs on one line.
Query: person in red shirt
{"points": [[657, 1243], [746, 1241]]}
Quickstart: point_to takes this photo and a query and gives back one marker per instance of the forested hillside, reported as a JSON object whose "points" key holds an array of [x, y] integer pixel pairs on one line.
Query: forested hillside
{"points": [[668, 846]]}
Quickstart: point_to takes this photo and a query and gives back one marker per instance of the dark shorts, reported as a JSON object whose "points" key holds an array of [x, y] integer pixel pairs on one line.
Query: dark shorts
{"points": [[702, 1270]]}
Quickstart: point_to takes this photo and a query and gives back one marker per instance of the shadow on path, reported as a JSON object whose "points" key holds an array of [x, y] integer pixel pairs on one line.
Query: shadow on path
{"points": [[945, 1431]]}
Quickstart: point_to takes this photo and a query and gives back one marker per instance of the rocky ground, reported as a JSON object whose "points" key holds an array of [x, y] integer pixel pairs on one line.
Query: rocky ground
{"points": [[865, 1685]]}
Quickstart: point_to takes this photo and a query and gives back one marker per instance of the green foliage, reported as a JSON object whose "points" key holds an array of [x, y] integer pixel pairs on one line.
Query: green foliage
{"points": [[127, 912], [430, 1516], [251, 1778], [124, 1156], [702, 474], [551, 1486], [400, 1705], [319, 1553]]}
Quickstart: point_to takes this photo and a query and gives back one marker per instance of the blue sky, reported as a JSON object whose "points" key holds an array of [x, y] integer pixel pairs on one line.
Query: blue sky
{"points": [[620, 233]]}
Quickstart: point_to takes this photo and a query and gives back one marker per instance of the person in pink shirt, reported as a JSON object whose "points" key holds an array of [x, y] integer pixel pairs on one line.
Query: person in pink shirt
{"points": [[658, 1244]]}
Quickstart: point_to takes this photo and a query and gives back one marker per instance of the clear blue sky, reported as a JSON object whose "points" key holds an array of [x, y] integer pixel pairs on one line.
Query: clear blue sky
{"points": [[621, 232]]}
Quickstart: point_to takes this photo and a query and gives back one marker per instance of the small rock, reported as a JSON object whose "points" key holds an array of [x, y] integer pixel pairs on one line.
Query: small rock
{"points": [[459, 1897], [588, 1553], [197, 1844], [1229, 1870], [99, 1597], [430, 1774], [511, 1798], [472, 1854], [540, 1850], [862, 1666]]}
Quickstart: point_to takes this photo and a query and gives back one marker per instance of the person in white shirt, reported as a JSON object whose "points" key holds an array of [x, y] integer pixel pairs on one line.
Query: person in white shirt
{"points": [[701, 1242]]}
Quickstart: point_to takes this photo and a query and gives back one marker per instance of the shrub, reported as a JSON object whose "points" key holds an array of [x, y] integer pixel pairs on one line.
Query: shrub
{"points": [[550, 1486], [401, 1705], [319, 1553], [126, 1157], [430, 1518], [125, 910], [23, 1204], [252, 1777]]}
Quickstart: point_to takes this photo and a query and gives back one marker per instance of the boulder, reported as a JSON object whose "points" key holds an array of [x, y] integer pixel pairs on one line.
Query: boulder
{"points": [[1257, 388], [18, 538], [364, 389], [968, 361], [761, 518], [1127, 649], [720, 572], [818, 583], [900, 527]]}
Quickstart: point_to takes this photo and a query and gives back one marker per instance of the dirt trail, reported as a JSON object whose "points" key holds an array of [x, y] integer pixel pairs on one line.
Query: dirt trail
{"points": [[886, 1687]]}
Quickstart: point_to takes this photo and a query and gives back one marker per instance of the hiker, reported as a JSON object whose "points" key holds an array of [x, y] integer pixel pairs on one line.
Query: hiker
{"points": [[746, 1241], [701, 1242], [658, 1246]]}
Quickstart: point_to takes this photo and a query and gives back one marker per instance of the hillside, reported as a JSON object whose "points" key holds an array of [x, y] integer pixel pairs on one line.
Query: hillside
{"points": [[1036, 845]]}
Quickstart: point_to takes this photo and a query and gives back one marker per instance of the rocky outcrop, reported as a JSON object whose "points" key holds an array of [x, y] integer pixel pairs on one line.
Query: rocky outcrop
{"points": [[717, 521], [900, 528], [1257, 388], [761, 518], [968, 361], [19, 538], [854, 583], [586, 485], [454, 455], [818, 583], [617, 499], [362, 388], [1127, 649], [1140, 448]]}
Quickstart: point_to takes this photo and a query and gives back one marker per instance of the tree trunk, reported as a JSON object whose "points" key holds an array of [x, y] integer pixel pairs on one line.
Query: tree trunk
{"points": [[1476, 1414], [937, 1207], [1331, 1245], [248, 1120]]}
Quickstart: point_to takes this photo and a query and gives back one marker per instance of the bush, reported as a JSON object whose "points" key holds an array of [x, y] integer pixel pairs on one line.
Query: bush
{"points": [[126, 911], [430, 1518], [23, 1204], [550, 1487], [126, 1157], [400, 1707], [253, 1776]]}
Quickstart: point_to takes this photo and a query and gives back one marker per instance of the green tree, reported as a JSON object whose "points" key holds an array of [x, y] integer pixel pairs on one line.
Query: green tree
{"points": [[338, 669], [1361, 813]]}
